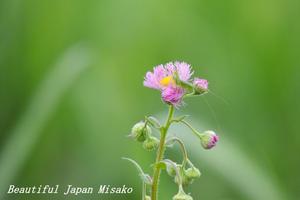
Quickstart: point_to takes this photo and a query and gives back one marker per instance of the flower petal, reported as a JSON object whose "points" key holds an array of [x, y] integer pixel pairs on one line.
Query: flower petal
{"points": [[184, 71], [152, 79]]}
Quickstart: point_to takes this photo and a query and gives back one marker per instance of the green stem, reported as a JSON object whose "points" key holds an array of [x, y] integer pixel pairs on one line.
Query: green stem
{"points": [[160, 154], [144, 191], [183, 149], [193, 130]]}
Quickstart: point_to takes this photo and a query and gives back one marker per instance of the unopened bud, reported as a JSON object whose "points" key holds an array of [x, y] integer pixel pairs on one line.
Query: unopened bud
{"points": [[181, 195], [151, 143], [192, 173], [171, 170], [140, 132], [209, 139], [200, 85], [185, 180]]}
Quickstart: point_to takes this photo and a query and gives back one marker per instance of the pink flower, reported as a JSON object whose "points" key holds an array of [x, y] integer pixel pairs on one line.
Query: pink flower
{"points": [[173, 95], [164, 78], [170, 67], [152, 79], [200, 85]]}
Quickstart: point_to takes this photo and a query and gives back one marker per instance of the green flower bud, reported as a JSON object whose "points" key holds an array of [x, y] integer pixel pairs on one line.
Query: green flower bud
{"points": [[184, 178], [140, 132], [171, 170], [181, 195], [150, 143], [192, 173]]}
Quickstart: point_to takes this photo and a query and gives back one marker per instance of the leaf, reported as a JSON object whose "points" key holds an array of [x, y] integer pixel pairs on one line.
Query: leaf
{"points": [[153, 121], [187, 86], [146, 178], [180, 118]]}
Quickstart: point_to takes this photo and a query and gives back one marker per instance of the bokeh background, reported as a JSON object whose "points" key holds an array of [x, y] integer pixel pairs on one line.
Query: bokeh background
{"points": [[71, 88]]}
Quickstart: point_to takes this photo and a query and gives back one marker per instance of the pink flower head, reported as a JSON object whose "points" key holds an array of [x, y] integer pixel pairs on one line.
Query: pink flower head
{"points": [[172, 95], [209, 139], [164, 78], [163, 75]]}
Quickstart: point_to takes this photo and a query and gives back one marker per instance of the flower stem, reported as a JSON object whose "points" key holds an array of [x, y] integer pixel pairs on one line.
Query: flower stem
{"points": [[160, 154], [183, 149], [193, 130], [144, 191]]}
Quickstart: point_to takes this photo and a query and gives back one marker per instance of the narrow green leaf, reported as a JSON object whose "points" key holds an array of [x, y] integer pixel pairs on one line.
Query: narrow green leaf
{"points": [[144, 177], [180, 118], [153, 121]]}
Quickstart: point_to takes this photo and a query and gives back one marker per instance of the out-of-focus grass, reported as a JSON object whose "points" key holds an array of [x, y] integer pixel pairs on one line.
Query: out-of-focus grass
{"points": [[22, 139]]}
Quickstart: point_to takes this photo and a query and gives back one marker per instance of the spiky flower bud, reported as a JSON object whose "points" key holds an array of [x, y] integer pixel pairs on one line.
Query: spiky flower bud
{"points": [[181, 195], [140, 132], [209, 139], [150, 143], [200, 85]]}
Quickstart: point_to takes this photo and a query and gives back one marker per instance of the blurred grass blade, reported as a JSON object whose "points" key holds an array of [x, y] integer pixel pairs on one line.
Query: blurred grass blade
{"points": [[229, 161], [41, 107]]}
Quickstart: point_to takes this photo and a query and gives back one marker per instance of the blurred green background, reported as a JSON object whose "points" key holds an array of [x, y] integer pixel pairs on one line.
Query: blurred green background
{"points": [[71, 88]]}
